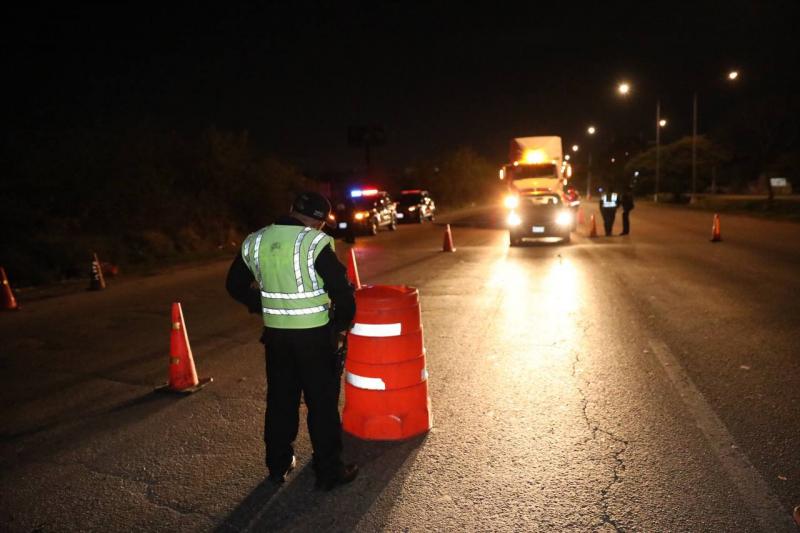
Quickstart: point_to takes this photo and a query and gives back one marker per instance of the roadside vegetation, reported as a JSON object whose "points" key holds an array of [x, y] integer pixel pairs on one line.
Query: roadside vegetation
{"points": [[137, 197]]}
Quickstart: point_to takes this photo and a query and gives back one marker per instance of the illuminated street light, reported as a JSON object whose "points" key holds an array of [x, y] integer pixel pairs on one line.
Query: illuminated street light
{"points": [[566, 157], [624, 88], [732, 75], [662, 122], [590, 130], [575, 147]]}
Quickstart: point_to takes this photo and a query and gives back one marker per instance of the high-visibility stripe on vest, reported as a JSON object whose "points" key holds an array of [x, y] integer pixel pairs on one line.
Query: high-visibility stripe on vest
{"points": [[281, 258], [612, 203]]}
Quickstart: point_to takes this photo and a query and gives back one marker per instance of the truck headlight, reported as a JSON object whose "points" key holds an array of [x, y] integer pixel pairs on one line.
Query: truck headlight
{"points": [[564, 218], [513, 219], [511, 201]]}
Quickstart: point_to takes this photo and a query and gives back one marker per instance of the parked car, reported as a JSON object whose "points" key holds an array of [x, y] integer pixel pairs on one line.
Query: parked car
{"points": [[415, 205]]}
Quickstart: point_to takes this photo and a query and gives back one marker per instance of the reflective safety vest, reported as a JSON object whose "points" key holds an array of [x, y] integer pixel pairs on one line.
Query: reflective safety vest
{"points": [[281, 259], [610, 203]]}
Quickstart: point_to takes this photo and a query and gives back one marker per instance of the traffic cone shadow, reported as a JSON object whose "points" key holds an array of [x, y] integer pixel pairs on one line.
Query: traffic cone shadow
{"points": [[447, 245], [9, 301], [716, 234], [96, 280], [352, 270], [593, 230], [182, 372]]}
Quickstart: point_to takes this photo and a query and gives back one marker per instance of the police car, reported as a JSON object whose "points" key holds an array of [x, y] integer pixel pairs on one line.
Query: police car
{"points": [[538, 216], [415, 205], [365, 212]]}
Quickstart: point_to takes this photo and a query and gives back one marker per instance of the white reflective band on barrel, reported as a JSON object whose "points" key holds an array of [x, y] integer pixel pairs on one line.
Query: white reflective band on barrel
{"points": [[293, 312], [360, 382], [312, 273], [298, 275], [376, 330], [424, 375], [292, 295]]}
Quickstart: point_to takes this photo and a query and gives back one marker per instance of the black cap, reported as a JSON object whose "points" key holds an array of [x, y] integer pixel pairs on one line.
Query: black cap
{"points": [[312, 205]]}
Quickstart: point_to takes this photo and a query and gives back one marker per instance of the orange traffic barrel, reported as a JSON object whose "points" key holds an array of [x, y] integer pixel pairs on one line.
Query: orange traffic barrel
{"points": [[386, 380]]}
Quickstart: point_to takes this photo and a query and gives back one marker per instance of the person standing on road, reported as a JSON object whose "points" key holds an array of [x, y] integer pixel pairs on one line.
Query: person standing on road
{"points": [[307, 305], [627, 206], [608, 209]]}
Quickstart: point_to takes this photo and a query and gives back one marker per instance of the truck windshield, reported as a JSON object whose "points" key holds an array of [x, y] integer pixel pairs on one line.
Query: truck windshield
{"points": [[532, 171]]}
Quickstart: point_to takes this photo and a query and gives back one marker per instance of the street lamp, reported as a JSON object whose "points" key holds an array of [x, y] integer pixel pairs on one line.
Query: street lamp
{"points": [[575, 147], [591, 130], [662, 122], [733, 75], [624, 88]]}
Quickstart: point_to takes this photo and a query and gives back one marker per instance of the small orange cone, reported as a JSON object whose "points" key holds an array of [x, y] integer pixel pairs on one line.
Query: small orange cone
{"points": [[593, 232], [96, 280], [352, 270], [716, 235], [9, 302], [182, 373], [447, 245]]}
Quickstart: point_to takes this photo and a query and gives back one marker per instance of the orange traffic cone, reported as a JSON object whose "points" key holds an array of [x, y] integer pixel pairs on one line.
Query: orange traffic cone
{"points": [[716, 236], [352, 270], [447, 245], [96, 280], [182, 373], [9, 302], [593, 232]]}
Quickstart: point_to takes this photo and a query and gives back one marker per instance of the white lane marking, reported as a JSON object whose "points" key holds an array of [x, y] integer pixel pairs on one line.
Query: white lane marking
{"points": [[376, 330], [756, 494], [362, 382]]}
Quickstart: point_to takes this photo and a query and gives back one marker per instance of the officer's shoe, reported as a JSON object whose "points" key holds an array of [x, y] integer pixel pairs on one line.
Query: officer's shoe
{"points": [[280, 478], [345, 475]]}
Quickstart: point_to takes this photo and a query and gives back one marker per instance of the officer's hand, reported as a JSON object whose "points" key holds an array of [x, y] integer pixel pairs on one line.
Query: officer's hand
{"points": [[341, 338]]}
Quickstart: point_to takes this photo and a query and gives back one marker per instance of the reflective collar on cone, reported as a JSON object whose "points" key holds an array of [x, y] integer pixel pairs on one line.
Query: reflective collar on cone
{"points": [[376, 330], [360, 382]]}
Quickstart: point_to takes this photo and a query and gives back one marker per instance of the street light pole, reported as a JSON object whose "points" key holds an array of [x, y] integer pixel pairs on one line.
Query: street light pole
{"points": [[658, 148], [590, 130], [694, 146]]}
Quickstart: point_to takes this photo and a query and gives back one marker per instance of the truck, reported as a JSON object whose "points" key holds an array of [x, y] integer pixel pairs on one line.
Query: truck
{"points": [[537, 181], [536, 165]]}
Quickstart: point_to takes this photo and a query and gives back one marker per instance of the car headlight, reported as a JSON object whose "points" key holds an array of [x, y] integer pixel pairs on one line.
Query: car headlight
{"points": [[511, 201], [564, 218], [361, 215], [412, 209], [513, 219]]}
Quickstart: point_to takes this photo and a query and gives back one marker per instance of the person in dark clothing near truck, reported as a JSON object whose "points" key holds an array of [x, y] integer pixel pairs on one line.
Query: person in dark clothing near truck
{"points": [[307, 304], [627, 206]]}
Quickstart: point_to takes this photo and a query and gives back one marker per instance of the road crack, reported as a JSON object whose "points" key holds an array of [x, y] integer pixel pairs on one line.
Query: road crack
{"points": [[620, 446]]}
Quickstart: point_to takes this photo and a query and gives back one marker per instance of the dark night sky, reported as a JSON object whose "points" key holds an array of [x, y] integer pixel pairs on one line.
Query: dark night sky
{"points": [[436, 76]]}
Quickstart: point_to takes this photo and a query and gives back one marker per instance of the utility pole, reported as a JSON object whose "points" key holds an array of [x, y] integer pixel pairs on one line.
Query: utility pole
{"points": [[694, 146], [589, 178], [658, 148]]}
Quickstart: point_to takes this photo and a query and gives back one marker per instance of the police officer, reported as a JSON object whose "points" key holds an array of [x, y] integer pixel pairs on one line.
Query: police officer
{"points": [[307, 305], [608, 209], [627, 207]]}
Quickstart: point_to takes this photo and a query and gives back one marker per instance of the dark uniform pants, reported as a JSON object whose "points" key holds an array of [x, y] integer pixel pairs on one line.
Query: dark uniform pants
{"points": [[626, 221], [608, 219], [302, 360]]}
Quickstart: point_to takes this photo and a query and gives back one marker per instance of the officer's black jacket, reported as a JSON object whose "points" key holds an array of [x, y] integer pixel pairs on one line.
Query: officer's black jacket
{"points": [[240, 283]]}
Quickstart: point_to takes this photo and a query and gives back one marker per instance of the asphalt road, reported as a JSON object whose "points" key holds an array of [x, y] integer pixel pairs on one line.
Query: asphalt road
{"points": [[640, 383]]}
